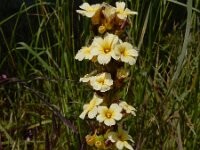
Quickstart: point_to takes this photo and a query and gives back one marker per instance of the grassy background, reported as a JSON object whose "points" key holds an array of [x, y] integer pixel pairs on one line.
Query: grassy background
{"points": [[41, 99]]}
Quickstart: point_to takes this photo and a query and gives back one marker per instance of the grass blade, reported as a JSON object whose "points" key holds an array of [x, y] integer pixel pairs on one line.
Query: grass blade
{"points": [[183, 54]]}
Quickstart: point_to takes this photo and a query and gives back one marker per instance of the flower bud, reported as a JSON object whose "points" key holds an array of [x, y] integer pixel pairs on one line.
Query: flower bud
{"points": [[101, 29], [90, 139], [94, 59], [122, 73], [100, 142]]}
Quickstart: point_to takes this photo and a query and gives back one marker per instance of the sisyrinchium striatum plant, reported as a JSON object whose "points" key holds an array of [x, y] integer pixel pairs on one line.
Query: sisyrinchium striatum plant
{"points": [[112, 53]]}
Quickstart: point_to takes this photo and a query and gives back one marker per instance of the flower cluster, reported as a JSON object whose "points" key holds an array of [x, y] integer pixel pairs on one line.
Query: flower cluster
{"points": [[106, 17], [103, 50], [111, 52]]}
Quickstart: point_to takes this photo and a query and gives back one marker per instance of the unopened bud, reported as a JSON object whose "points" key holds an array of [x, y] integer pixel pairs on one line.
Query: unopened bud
{"points": [[90, 139], [94, 59], [101, 29], [100, 142], [122, 73]]}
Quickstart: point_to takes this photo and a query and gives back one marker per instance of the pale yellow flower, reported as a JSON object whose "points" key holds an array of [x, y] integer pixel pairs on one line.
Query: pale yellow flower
{"points": [[122, 73], [91, 108], [109, 16], [84, 53], [126, 53], [108, 10], [109, 115], [120, 139], [103, 48], [88, 10], [128, 108], [101, 82], [87, 77], [123, 12]]}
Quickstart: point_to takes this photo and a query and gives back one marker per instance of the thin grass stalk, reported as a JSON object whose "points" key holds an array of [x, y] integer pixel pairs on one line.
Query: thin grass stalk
{"points": [[183, 54]]}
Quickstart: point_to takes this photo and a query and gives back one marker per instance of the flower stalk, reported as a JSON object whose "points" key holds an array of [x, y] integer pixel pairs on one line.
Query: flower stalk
{"points": [[111, 52]]}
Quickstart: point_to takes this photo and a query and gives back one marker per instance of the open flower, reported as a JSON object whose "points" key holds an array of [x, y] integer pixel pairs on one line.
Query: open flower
{"points": [[108, 11], [120, 139], [84, 53], [109, 115], [103, 48], [88, 10], [101, 82], [109, 15], [87, 77], [126, 52], [123, 12], [91, 108], [128, 108]]}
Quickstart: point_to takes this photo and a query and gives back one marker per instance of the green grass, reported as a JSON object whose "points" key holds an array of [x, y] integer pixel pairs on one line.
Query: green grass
{"points": [[42, 98]]}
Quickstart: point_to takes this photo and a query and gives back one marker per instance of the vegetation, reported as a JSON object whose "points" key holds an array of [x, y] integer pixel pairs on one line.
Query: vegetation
{"points": [[40, 94]]}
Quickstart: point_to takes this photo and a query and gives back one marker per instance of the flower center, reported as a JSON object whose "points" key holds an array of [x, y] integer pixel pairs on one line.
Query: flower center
{"points": [[121, 137], [120, 11], [101, 81], [92, 105], [122, 51], [106, 50], [91, 9], [108, 114], [87, 51]]}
